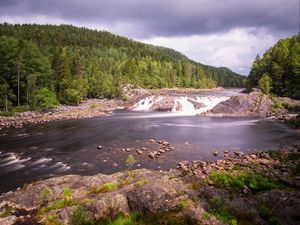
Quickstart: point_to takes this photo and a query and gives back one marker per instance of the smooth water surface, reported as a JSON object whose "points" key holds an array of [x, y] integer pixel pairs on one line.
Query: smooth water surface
{"points": [[70, 147]]}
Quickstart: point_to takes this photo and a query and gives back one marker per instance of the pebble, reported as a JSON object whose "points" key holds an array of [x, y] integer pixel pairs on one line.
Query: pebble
{"points": [[151, 155], [140, 152], [210, 182], [215, 153], [115, 165], [99, 147]]}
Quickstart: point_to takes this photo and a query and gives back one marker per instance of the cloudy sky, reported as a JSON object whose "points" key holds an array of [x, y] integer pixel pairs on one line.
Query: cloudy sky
{"points": [[215, 32]]}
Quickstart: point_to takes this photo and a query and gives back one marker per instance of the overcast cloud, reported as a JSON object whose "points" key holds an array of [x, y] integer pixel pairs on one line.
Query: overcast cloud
{"points": [[216, 32]]}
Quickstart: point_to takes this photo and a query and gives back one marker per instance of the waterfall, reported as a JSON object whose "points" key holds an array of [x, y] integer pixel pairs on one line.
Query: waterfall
{"points": [[146, 103], [181, 105]]}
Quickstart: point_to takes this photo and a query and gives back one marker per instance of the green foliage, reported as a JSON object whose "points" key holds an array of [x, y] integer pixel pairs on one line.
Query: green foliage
{"points": [[44, 99], [45, 194], [266, 213], [138, 218], [53, 220], [130, 161], [265, 84], [77, 63], [67, 193], [183, 204], [141, 182], [255, 182], [282, 64], [219, 210], [107, 187], [59, 204], [205, 215], [6, 212], [80, 217]]}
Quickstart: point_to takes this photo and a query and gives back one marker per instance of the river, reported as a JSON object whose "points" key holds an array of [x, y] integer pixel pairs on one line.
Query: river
{"points": [[70, 147]]}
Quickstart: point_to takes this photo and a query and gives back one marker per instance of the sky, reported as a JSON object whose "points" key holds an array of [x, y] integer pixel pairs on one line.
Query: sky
{"points": [[226, 33]]}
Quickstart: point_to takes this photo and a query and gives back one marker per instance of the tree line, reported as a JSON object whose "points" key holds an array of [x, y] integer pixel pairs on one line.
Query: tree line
{"points": [[278, 71], [43, 65]]}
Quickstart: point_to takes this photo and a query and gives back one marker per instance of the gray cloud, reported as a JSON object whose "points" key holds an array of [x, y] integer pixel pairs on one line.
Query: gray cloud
{"points": [[146, 18]]}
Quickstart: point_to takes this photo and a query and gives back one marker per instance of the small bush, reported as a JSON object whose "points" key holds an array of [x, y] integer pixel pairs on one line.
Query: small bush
{"points": [[67, 193], [53, 220], [205, 215], [45, 194], [81, 217], [221, 213], [44, 99], [130, 161], [183, 204]]}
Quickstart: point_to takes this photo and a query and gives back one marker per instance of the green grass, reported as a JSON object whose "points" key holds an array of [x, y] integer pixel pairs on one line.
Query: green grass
{"points": [[107, 187], [254, 182], [6, 212], [205, 215], [45, 194], [66, 200], [183, 204], [53, 220], [140, 182], [138, 218]]}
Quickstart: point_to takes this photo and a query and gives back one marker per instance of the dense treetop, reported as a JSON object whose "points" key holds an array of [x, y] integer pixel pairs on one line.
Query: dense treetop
{"points": [[279, 68], [76, 63]]}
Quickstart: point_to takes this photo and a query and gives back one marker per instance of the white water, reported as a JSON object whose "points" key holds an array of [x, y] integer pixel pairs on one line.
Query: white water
{"points": [[146, 103], [182, 105]]}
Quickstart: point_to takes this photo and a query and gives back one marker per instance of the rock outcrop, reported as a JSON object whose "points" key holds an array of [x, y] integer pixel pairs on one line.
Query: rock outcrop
{"points": [[252, 104], [260, 188]]}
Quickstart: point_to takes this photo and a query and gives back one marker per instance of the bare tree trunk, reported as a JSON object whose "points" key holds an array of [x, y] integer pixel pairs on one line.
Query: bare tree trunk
{"points": [[6, 107], [18, 81]]}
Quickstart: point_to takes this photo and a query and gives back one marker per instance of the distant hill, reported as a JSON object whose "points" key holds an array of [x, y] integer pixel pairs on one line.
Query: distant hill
{"points": [[281, 66], [76, 63]]}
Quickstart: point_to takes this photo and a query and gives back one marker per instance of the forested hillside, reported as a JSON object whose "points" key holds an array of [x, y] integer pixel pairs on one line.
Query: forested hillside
{"points": [[279, 68], [41, 65]]}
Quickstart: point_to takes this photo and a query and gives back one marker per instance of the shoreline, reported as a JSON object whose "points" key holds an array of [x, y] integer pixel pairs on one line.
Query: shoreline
{"points": [[104, 107], [87, 109], [239, 185]]}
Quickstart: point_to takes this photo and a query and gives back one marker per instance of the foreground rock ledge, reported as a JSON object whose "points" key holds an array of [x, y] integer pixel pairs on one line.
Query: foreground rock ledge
{"points": [[193, 191]]}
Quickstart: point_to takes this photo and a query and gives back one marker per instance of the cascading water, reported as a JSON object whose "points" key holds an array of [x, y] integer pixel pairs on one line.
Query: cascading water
{"points": [[146, 103], [181, 105]]}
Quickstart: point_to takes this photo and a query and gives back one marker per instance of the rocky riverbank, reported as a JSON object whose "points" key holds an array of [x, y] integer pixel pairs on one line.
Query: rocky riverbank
{"points": [[260, 188], [87, 109], [256, 104]]}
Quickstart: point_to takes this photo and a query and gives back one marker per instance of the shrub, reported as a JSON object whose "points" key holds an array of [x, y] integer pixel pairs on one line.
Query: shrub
{"points": [[183, 204], [45, 194], [265, 83], [81, 217], [44, 99], [130, 161]]}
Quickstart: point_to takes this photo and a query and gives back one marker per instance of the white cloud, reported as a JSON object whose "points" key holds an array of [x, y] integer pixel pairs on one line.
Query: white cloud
{"points": [[235, 49]]}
